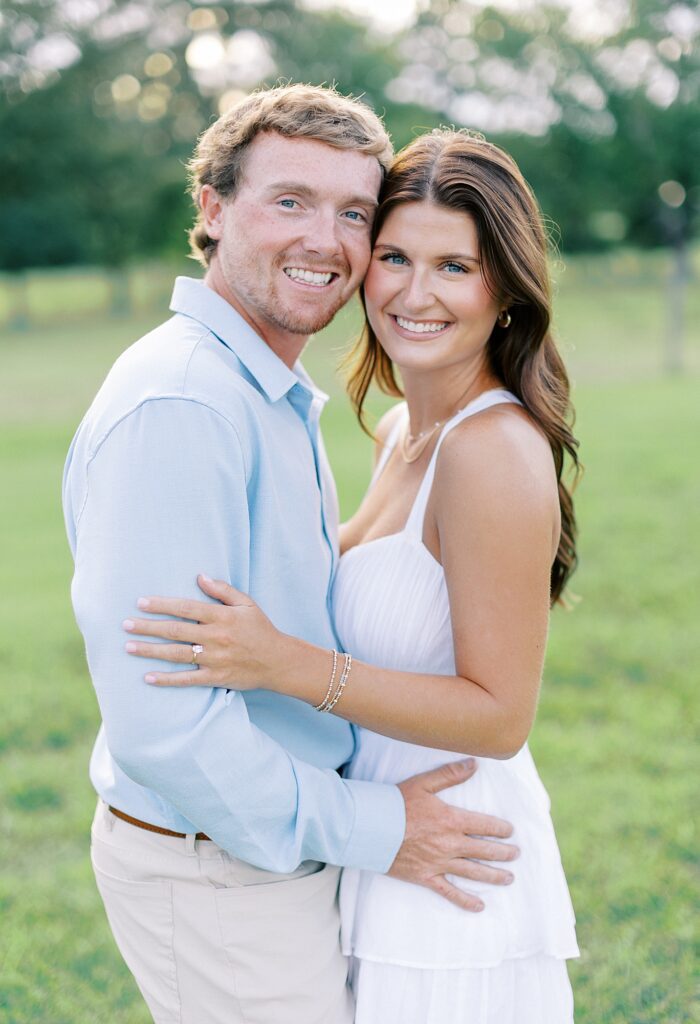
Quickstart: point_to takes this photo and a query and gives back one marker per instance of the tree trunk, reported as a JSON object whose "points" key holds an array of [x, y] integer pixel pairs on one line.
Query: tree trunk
{"points": [[675, 307], [121, 292], [20, 316]]}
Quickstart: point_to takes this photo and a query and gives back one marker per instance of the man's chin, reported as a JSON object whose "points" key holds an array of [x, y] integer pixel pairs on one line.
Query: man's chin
{"points": [[305, 324]]}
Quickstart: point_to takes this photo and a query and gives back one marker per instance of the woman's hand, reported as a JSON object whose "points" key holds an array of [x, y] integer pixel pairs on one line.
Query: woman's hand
{"points": [[241, 649]]}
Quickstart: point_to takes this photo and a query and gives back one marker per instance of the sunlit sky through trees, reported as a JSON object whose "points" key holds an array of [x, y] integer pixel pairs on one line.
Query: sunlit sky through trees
{"points": [[590, 17]]}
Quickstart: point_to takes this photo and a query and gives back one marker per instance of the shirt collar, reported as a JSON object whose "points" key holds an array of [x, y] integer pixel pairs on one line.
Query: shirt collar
{"points": [[195, 299]]}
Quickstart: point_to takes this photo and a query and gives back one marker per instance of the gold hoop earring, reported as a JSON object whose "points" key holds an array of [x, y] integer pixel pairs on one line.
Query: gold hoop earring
{"points": [[504, 319]]}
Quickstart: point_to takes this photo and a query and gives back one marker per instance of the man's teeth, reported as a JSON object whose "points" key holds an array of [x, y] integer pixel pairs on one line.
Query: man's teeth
{"points": [[307, 276], [421, 326]]}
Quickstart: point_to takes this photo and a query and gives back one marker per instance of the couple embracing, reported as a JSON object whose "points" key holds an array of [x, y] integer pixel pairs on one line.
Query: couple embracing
{"points": [[328, 682]]}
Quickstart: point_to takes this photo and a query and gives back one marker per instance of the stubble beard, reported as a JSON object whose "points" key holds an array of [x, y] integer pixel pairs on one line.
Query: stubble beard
{"points": [[265, 303], [304, 324], [272, 309]]}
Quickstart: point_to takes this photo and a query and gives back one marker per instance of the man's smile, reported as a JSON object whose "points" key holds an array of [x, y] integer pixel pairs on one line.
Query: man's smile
{"points": [[314, 278]]}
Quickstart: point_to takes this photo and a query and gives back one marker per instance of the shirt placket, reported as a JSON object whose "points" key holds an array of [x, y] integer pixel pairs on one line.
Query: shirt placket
{"points": [[309, 408]]}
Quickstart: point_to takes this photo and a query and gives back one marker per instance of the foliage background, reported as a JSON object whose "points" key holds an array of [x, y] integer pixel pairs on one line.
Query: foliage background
{"points": [[599, 103]]}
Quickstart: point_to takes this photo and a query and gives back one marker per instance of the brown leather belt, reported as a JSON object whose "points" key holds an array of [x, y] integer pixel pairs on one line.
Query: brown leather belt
{"points": [[154, 828]]}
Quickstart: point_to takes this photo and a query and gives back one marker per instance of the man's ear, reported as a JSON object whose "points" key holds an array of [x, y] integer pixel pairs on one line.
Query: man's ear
{"points": [[212, 207]]}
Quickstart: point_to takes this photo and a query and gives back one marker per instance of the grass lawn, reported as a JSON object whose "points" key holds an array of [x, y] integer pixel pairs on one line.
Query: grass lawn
{"points": [[614, 737]]}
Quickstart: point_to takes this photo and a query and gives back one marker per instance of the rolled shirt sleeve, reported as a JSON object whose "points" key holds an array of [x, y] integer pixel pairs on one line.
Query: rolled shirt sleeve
{"points": [[163, 498]]}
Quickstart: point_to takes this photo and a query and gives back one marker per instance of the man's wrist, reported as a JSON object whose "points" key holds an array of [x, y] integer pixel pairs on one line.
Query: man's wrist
{"points": [[379, 827]]}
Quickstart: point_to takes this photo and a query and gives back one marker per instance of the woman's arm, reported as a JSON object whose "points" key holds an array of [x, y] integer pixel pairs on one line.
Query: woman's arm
{"points": [[496, 512]]}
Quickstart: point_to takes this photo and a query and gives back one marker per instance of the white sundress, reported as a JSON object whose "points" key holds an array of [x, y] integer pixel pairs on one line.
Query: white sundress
{"points": [[417, 958]]}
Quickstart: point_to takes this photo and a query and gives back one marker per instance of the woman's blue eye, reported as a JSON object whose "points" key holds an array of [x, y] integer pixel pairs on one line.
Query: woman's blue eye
{"points": [[394, 258], [452, 267]]}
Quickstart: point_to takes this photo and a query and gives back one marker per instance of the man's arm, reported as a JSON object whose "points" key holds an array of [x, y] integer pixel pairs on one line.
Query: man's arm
{"points": [[166, 499]]}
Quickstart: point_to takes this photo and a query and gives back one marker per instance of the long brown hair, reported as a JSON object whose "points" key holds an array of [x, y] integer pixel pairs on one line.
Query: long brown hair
{"points": [[461, 171]]}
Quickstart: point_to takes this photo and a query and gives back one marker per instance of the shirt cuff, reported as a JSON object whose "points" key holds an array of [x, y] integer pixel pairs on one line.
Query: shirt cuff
{"points": [[379, 826]]}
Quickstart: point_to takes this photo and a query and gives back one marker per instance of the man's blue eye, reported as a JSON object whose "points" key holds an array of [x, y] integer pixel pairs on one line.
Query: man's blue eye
{"points": [[288, 203], [355, 215]]}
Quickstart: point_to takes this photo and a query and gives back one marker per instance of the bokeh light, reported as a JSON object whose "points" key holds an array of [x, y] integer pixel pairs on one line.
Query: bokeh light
{"points": [[672, 193], [205, 51], [201, 19], [125, 88], [153, 102], [158, 64]]}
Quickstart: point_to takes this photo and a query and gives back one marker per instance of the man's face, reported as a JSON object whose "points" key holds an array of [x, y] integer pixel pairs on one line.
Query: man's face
{"points": [[294, 240]]}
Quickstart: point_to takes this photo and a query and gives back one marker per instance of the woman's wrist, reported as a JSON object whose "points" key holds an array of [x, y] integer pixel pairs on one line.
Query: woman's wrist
{"points": [[302, 670]]}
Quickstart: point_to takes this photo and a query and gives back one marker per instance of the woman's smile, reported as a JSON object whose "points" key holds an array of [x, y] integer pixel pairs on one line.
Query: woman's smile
{"points": [[410, 328], [426, 283]]}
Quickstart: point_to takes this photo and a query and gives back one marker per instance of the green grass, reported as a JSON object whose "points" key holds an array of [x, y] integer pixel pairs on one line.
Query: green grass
{"points": [[613, 740]]}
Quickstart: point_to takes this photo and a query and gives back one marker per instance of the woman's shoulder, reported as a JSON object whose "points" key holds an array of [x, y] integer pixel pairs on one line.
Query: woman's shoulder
{"points": [[499, 450]]}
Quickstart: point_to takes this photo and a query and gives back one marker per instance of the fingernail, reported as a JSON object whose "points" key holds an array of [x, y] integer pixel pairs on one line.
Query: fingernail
{"points": [[150, 678], [130, 647], [128, 624], [479, 907], [142, 602], [207, 579], [508, 879], [469, 763]]}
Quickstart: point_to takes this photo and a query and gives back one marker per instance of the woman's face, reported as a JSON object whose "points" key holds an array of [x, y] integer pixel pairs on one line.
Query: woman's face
{"points": [[425, 293]]}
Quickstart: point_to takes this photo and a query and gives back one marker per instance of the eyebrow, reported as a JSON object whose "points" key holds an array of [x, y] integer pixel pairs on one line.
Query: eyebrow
{"points": [[445, 258], [303, 190]]}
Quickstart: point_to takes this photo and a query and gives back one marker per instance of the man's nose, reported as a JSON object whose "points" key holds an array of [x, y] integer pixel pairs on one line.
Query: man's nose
{"points": [[322, 236]]}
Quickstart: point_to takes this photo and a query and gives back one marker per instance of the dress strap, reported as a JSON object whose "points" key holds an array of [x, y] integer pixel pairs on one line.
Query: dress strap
{"points": [[496, 396], [389, 445]]}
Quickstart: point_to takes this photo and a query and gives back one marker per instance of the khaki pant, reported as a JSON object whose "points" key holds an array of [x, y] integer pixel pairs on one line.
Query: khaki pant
{"points": [[214, 940]]}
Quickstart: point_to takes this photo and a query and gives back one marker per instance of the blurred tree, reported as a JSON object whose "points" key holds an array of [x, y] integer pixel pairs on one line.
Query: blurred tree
{"points": [[79, 186], [101, 103], [599, 103], [601, 106]]}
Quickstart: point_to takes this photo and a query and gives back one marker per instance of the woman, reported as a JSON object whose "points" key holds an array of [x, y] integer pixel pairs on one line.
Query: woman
{"points": [[449, 566]]}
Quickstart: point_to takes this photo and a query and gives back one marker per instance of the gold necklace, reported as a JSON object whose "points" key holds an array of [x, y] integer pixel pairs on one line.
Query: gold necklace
{"points": [[409, 451], [413, 445]]}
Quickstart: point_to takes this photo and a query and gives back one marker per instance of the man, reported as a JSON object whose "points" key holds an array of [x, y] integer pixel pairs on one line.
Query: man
{"points": [[222, 819]]}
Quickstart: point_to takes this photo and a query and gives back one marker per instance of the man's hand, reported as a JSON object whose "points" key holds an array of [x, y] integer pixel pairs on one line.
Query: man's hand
{"points": [[443, 840]]}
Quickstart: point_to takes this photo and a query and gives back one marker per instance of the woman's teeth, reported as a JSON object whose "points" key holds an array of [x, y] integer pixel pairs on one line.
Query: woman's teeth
{"points": [[421, 326], [307, 276]]}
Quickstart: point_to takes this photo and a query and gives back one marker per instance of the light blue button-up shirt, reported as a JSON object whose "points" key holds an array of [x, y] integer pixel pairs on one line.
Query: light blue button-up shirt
{"points": [[202, 453]]}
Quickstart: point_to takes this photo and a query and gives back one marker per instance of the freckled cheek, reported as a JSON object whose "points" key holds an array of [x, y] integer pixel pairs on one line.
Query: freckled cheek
{"points": [[272, 232], [357, 254], [379, 287]]}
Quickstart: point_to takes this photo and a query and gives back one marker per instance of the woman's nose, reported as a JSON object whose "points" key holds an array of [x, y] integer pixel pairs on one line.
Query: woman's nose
{"points": [[418, 295]]}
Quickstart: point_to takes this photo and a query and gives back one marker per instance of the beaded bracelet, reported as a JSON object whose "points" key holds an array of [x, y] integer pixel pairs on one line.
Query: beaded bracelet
{"points": [[326, 699], [341, 685]]}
